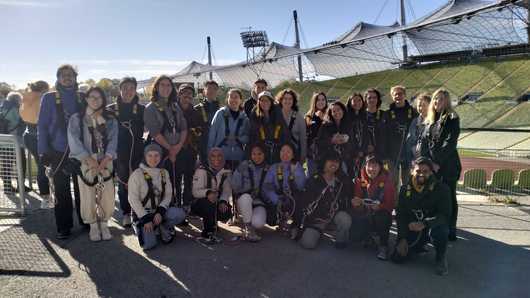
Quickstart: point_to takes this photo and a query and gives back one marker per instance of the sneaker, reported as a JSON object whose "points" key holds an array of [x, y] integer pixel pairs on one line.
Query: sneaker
{"points": [[126, 221], [382, 253], [165, 235], [62, 235], [46, 202], [95, 233], [441, 266], [105, 232], [184, 223], [250, 234]]}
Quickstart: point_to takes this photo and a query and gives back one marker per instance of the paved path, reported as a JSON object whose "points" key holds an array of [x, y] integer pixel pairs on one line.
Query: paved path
{"points": [[491, 259]]}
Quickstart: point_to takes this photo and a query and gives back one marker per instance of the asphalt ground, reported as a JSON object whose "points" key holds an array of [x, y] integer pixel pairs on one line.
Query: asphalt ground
{"points": [[490, 259]]}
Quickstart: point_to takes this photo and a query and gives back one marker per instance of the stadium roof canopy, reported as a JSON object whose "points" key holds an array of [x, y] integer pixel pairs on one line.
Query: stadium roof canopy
{"points": [[458, 25]]}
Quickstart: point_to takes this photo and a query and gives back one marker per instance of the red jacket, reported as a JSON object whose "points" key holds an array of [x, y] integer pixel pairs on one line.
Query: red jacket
{"points": [[382, 183]]}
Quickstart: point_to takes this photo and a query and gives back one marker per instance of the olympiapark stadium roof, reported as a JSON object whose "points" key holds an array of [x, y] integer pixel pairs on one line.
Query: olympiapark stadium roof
{"points": [[456, 26]]}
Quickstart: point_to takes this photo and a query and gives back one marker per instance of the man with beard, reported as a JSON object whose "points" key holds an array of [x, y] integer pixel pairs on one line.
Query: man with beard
{"points": [[130, 115], [423, 212], [55, 112]]}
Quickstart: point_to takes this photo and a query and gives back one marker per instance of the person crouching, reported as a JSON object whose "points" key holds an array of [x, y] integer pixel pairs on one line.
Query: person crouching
{"points": [[211, 192], [373, 202], [326, 199], [149, 194]]}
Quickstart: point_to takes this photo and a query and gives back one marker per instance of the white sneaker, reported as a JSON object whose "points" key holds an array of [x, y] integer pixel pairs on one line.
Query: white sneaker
{"points": [[46, 202], [126, 221], [105, 233], [94, 234]]}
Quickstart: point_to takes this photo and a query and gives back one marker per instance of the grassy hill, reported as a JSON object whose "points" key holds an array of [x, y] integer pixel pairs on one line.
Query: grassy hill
{"points": [[500, 81]]}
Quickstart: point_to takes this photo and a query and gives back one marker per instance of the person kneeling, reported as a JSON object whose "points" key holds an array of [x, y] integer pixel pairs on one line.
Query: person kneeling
{"points": [[211, 194], [149, 193], [373, 202], [247, 182], [423, 211], [326, 199]]}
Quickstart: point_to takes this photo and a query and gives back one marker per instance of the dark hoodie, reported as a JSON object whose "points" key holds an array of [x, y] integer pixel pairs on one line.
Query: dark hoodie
{"points": [[399, 120]]}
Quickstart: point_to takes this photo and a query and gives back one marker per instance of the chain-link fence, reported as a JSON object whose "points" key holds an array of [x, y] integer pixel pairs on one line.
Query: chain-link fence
{"points": [[11, 169]]}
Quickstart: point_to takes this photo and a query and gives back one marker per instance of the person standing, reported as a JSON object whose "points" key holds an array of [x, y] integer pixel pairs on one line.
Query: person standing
{"points": [[56, 109], [165, 122], [93, 141], [439, 143], [294, 121], [260, 85], [314, 118], [29, 112], [130, 116], [416, 128], [207, 109]]}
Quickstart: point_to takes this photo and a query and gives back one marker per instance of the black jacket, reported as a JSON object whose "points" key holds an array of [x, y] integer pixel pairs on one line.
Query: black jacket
{"points": [[360, 140], [249, 105], [375, 133], [398, 124], [313, 127], [439, 141], [434, 202], [326, 133], [272, 132]]}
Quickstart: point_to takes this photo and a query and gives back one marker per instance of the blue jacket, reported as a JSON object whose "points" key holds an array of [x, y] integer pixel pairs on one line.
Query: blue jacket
{"points": [[52, 136], [233, 145], [272, 187], [241, 180]]}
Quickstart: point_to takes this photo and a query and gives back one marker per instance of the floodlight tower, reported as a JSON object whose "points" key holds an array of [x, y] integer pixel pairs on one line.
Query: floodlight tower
{"points": [[297, 45], [209, 43], [253, 40]]}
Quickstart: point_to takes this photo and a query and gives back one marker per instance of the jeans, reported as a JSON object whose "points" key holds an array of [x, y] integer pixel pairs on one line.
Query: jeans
{"points": [[30, 141], [172, 217], [311, 235]]}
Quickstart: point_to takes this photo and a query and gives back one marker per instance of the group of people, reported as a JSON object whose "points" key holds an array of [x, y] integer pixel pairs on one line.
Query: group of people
{"points": [[260, 160]]}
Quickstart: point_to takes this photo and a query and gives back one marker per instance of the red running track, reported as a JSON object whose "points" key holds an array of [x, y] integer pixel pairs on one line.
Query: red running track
{"points": [[489, 165]]}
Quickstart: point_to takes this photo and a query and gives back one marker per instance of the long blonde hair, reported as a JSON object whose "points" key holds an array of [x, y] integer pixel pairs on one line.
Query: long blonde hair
{"points": [[431, 114]]}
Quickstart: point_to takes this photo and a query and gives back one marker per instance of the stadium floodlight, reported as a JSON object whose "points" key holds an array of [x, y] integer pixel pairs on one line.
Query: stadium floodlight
{"points": [[254, 39]]}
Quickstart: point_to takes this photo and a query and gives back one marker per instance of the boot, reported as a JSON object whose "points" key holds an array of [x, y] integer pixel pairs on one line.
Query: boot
{"points": [[95, 233], [105, 233], [250, 234]]}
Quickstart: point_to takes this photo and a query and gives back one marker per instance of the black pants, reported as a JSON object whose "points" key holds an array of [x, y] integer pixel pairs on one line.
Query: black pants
{"points": [[364, 223], [416, 240], [30, 140], [123, 172], [454, 206], [185, 167], [64, 206], [210, 214]]}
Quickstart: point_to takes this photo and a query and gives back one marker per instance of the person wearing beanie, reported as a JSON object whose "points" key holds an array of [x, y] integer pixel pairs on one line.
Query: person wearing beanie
{"points": [[423, 213], [93, 139], [284, 184], [56, 109], [29, 112], [268, 127], [212, 192], [372, 205], [149, 191], [325, 200], [130, 115], [247, 183]]}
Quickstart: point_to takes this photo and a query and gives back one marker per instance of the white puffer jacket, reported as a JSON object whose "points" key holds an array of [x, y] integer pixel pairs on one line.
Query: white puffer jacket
{"points": [[137, 188]]}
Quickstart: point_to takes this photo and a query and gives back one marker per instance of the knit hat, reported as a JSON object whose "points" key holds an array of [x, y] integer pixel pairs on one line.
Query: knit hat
{"points": [[266, 93], [153, 147]]}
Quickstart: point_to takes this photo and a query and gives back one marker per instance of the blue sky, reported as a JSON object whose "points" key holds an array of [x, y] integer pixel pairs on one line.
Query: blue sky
{"points": [[143, 38]]}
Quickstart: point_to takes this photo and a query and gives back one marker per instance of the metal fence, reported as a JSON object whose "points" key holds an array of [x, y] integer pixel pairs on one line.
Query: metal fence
{"points": [[496, 173], [11, 169]]}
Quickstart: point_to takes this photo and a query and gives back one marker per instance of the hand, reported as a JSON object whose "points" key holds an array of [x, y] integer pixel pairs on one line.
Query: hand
{"points": [[45, 159], [356, 202], [402, 247], [370, 149], [157, 219], [177, 148], [92, 163], [320, 114], [148, 227], [212, 196], [336, 139], [435, 167], [223, 207], [103, 164], [172, 154]]}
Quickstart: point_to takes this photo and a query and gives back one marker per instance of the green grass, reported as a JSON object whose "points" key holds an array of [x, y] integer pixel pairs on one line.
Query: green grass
{"points": [[474, 153], [497, 80]]}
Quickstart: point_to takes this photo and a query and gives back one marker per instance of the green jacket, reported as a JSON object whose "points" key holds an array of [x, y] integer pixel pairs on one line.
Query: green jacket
{"points": [[434, 202]]}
